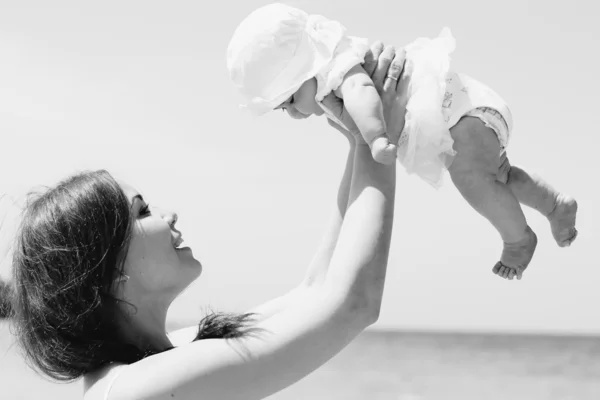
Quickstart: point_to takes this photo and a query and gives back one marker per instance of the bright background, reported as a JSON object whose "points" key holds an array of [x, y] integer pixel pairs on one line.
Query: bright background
{"points": [[140, 88]]}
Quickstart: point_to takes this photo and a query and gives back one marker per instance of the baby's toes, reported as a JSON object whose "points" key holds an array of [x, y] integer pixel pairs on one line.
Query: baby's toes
{"points": [[497, 267], [519, 273], [511, 273], [505, 272]]}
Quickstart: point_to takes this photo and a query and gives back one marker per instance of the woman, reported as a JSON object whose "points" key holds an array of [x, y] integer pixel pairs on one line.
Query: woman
{"points": [[96, 269]]}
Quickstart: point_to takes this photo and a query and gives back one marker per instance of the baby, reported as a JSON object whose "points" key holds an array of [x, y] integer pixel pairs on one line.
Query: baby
{"points": [[282, 58]]}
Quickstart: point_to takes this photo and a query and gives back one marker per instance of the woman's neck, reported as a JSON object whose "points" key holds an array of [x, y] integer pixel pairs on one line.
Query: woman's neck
{"points": [[146, 327]]}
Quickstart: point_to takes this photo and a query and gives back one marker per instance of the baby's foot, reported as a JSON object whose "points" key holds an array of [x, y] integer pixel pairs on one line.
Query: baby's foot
{"points": [[562, 220], [516, 256]]}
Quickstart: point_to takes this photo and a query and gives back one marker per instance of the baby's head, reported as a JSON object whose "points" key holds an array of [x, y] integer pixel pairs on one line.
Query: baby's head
{"points": [[275, 54], [302, 103]]}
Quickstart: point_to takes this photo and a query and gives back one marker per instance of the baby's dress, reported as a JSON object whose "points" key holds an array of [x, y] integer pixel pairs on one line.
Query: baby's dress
{"points": [[425, 145]]}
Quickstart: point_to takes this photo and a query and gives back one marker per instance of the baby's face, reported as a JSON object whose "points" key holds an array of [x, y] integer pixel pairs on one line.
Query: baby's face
{"points": [[302, 104]]}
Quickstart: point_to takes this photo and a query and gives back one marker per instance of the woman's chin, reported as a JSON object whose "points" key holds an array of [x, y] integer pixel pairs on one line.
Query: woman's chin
{"points": [[196, 267], [185, 254]]}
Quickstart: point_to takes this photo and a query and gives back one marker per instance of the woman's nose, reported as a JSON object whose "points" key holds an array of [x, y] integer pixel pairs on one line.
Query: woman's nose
{"points": [[170, 217]]}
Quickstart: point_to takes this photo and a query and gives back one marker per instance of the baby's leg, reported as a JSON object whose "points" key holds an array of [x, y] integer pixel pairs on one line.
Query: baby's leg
{"points": [[534, 192], [474, 172]]}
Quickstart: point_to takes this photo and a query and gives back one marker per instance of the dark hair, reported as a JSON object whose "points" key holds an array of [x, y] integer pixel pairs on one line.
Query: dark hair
{"points": [[70, 248], [5, 303]]}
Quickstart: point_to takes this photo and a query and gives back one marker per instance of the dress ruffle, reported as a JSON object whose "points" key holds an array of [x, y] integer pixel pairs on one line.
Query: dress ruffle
{"points": [[349, 52], [425, 146]]}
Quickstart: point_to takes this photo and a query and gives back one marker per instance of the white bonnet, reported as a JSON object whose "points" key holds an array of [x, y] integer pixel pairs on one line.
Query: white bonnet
{"points": [[276, 49]]}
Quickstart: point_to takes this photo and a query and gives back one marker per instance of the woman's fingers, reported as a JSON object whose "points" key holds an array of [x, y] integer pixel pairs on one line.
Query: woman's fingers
{"points": [[394, 73], [372, 57], [383, 64], [395, 95], [338, 127]]}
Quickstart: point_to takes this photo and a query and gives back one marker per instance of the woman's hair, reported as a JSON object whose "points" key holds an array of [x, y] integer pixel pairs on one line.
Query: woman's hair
{"points": [[5, 305], [70, 248]]}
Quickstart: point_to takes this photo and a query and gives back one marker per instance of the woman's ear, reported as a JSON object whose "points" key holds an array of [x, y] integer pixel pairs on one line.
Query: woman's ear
{"points": [[122, 278]]}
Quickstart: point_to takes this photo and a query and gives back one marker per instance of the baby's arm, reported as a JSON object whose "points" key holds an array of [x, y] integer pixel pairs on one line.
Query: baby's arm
{"points": [[364, 106]]}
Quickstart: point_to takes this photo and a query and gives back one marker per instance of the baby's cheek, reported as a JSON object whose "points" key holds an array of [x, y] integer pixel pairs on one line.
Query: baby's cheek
{"points": [[302, 107], [292, 112], [309, 107]]}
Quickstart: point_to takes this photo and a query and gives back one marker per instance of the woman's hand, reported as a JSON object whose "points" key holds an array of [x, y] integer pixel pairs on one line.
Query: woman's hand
{"points": [[384, 65], [392, 86]]}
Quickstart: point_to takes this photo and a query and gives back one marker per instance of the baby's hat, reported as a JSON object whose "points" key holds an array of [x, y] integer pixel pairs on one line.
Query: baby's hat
{"points": [[275, 50]]}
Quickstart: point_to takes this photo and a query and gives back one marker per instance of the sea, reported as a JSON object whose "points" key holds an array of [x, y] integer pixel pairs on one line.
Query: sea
{"points": [[400, 365]]}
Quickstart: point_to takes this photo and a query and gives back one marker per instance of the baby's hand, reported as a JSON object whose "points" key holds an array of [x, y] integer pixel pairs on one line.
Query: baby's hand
{"points": [[383, 151]]}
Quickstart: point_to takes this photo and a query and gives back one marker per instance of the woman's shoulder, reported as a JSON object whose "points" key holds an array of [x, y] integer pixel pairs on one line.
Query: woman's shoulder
{"points": [[97, 384]]}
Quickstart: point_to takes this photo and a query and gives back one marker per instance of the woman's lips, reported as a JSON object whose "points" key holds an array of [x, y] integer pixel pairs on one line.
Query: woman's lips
{"points": [[178, 241]]}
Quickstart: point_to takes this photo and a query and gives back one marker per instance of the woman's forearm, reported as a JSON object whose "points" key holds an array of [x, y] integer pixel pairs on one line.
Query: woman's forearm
{"points": [[358, 265], [317, 270]]}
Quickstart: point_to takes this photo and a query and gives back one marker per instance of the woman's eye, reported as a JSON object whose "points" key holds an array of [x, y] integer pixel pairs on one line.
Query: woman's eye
{"points": [[145, 210]]}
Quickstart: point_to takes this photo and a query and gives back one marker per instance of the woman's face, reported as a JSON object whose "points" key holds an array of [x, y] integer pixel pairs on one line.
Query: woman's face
{"points": [[302, 104], [156, 263]]}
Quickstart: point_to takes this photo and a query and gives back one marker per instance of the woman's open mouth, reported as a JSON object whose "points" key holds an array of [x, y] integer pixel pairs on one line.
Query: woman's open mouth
{"points": [[178, 242]]}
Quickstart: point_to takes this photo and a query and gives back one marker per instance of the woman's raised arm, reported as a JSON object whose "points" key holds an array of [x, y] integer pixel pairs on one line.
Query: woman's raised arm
{"points": [[378, 60]]}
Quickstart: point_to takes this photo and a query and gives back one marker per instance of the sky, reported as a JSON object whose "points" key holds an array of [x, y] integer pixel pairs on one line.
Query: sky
{"points": [[141, 89]]}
